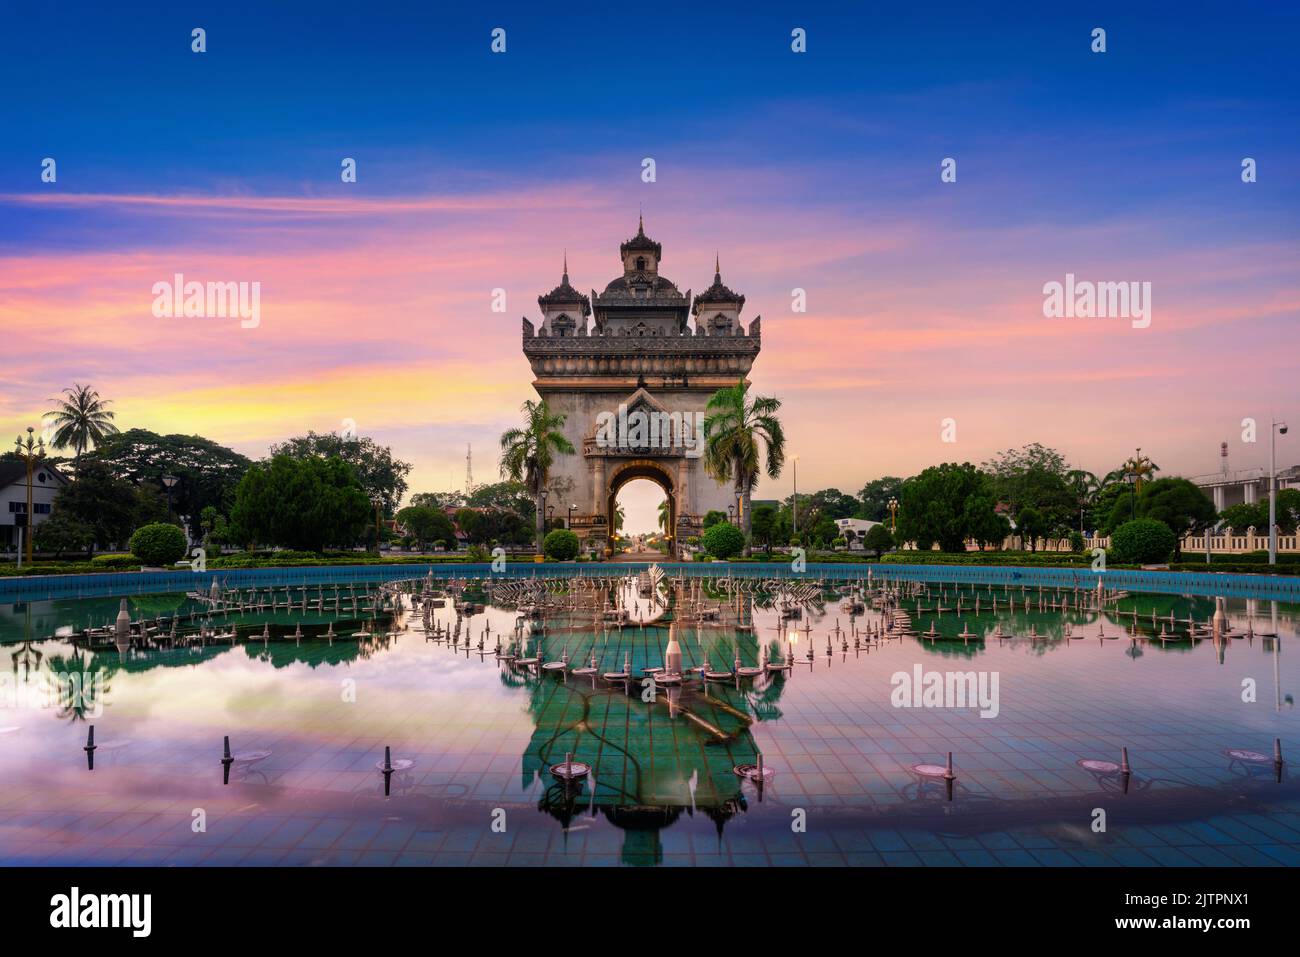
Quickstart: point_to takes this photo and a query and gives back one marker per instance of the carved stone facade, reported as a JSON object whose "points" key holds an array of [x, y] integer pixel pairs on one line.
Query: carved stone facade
{"points": [[641, 351]]}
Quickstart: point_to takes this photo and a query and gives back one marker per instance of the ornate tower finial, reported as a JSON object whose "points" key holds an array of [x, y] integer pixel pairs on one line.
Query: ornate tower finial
{"points": [[717, 268], [566, 266], [640, 220]]}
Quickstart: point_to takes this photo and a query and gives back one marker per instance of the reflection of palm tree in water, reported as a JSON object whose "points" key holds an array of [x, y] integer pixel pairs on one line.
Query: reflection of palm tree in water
{"points": [[651, 760], [81, 686]]}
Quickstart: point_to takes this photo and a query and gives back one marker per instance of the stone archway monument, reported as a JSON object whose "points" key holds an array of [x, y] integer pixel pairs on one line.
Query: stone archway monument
{"points": [[632, 369]]}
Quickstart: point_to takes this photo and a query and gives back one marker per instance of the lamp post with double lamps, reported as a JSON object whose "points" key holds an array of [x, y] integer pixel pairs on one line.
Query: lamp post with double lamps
{"points": [[30, 451]]}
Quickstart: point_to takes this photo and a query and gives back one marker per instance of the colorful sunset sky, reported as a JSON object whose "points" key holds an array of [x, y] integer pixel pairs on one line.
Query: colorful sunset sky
{"points": [[819, 171]]}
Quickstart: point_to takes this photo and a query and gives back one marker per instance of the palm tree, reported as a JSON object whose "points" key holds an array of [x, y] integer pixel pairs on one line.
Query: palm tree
{"points": [[663, 515], [81, 419], [527, 454], [1084, 486], [619, 515], [732, 432]]}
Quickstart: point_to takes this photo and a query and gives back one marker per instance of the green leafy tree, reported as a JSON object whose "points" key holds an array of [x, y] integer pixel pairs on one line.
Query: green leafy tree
{"points": [[823, 532], [1179, 504], [104, 503], [874, 498], [833, 504], [216, 530], [742, 436], [982, 520], [159, 544], [1032, 526], [765, 525], [723, 540], [442, 500], [207, 473], [80, 420], [301, 503], [425, 524], [946, 504], [527, 454], [878, 539], [712, 517], [1034, 477], [377, 472], [61, 533], [1243, 516], [510, 495]]}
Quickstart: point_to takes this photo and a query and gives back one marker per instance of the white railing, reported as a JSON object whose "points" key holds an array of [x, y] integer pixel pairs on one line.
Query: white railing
{"points": [[1224, 542]]}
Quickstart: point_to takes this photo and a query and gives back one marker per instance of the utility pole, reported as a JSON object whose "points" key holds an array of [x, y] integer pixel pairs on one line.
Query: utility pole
{"points": [[1275, 429]]}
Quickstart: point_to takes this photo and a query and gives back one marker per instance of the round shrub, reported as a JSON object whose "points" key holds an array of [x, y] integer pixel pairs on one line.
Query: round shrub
{"points": [[1076, 542], [158, 544], [561, 545], [1143, 541], [722, 540]]}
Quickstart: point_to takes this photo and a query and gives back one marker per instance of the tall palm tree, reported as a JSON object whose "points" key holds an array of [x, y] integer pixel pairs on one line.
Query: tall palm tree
{"points": [[619, 516], [527, 454], [81, 419], [663, 515], [1084, 486], [732, 433]]}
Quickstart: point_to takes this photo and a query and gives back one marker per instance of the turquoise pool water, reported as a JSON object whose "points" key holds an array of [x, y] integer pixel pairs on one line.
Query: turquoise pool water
{"points": [[474, 739]]}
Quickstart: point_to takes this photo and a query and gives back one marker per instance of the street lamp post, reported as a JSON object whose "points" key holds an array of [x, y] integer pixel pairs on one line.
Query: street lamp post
{"points": [[550, 516], [794, 463], [169, 481], [893, 515], [30, 451], [1275, 429], [731, 514], [545, 511], [568, 519], [378, 501]]}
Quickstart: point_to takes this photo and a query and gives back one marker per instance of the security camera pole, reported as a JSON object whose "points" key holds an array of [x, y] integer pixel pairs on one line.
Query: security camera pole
{"points": [[1277, 428]]}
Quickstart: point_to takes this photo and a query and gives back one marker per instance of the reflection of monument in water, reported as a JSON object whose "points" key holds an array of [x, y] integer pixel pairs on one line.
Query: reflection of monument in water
{"points": [[653, 756]]}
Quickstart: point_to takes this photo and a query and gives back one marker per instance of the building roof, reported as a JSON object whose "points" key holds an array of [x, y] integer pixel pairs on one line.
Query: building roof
{"points": [[565, 295], [718, 293], [15, 472], [641, 242]]}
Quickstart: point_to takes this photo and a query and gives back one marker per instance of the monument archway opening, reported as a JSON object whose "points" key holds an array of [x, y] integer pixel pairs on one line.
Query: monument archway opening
{"points": [[643, 506], [638, 473]]}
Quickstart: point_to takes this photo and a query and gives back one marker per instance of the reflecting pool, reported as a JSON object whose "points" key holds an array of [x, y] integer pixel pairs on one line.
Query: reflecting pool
{"points": [[1121, 729]]}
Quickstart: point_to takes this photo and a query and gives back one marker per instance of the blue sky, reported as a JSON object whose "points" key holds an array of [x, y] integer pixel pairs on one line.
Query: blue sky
{"points": [[817, 170]]}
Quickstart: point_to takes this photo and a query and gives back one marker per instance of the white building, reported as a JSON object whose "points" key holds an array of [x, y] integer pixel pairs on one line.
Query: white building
{"points": [[46, 482], [854, 529], [1244, 486]]}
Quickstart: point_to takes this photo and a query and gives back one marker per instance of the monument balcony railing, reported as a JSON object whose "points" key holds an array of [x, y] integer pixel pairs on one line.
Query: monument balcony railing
{"points": [[593, 448]]}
